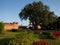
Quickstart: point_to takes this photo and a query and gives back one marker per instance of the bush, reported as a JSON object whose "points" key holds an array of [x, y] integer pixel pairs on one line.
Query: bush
{"points": [[46, 35], [5, 41], [1, 27]]}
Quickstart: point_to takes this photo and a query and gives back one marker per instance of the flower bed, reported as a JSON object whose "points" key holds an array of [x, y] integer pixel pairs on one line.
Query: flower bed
{"points": [[41, 42], [56, 34]]}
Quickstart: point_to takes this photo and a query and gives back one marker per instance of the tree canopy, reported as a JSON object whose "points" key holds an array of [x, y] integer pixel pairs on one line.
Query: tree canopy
{"points": [[58, 22], [38, 14]]}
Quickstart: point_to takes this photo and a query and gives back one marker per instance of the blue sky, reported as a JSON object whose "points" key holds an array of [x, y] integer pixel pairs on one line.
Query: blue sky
{"points": [[9, 9]]}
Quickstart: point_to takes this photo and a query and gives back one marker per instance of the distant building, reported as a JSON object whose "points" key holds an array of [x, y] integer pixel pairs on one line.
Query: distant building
{"points": [[10, 26]]}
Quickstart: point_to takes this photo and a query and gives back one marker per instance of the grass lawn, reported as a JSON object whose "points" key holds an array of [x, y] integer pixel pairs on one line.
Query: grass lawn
{"points": [[7, 34], [9, 38], [23, 38]]}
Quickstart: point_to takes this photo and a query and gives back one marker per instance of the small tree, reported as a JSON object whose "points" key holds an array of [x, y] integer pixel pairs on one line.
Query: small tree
{"points": [[1, 27]]}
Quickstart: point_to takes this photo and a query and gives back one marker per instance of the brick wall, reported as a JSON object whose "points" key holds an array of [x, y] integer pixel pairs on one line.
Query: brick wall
{"points": [[10, 26]]}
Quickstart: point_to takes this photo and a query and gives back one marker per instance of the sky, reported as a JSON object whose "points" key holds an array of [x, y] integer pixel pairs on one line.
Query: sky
{"points": [[10, 9]]}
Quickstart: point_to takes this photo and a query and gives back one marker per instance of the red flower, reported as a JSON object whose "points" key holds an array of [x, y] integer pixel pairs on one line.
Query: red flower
{"points": [[56, 34], [41, 42]]}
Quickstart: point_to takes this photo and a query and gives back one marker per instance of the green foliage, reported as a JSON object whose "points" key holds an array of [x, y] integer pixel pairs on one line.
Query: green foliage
{"points": [[1, 27], [26, 38], [46, 35], [5, 41], [58, 22], [37, 13]]}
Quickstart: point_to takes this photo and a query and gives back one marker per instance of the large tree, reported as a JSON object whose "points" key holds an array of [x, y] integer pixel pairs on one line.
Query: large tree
{"points": [[58, 22], [38, 14]]}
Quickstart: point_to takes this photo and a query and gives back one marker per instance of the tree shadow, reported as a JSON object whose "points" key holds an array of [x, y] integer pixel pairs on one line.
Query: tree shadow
{"points": [[5, 41]]}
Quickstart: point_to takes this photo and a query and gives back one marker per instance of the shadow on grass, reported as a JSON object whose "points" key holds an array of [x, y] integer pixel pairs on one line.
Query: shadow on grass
{"points": [[5, 41]]}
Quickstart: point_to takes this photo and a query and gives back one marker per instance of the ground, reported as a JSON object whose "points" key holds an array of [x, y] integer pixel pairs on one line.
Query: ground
{"points": [[24, 38]]}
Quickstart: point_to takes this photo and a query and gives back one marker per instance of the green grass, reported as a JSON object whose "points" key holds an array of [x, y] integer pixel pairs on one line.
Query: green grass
{"points": [[7, 34], [23, 38]]}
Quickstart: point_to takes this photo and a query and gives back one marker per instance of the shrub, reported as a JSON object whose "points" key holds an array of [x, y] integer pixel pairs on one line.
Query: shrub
{"points": [[1, 27], [46, 35]]}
